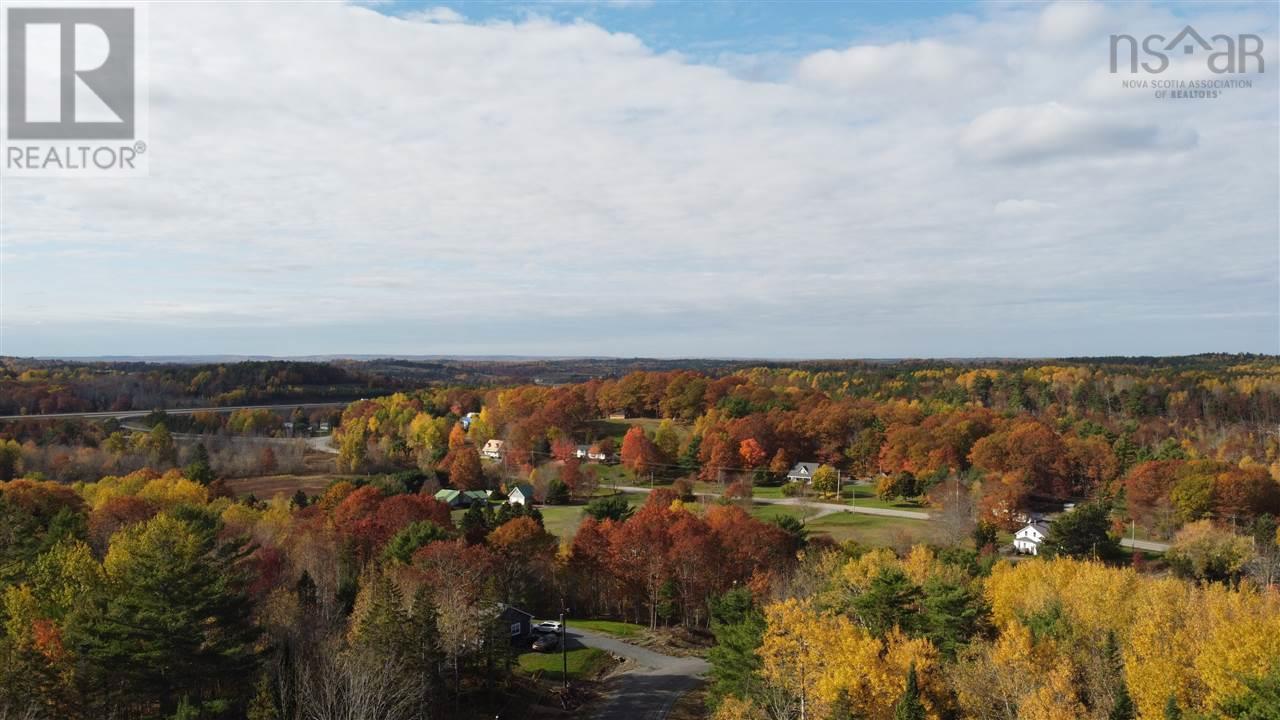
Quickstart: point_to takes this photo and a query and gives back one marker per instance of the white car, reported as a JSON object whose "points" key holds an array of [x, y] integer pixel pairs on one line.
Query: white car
{"points": [[547, 626]]}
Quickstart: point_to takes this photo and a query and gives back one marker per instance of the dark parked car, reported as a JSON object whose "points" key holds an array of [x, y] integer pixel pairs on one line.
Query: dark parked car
{"points": [[546, 642]]}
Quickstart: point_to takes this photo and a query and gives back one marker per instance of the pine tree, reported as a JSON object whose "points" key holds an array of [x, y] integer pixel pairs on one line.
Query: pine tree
{"points": [[1122, 707], [909, 706], [739, 627], [174, 617], [1171, 709], [263, 705], [199, 470]]}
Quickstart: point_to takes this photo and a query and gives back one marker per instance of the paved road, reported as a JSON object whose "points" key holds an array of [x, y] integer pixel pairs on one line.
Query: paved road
{"points": [[174, 411], [1150, 545], [647, 691], [820, 507]]}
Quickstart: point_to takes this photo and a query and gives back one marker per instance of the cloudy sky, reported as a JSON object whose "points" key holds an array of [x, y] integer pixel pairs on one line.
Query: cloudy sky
{"points": [[665, 179]]}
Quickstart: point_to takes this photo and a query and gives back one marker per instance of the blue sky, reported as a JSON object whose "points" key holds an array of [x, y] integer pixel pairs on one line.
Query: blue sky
{"points": [[707, 29], [664, 179]]}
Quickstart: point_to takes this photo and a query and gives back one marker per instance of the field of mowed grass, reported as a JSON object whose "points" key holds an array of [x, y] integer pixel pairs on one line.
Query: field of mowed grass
{"points": [[583, 663], [561, 520], [873, 529], [769, 512], [607, 627]]}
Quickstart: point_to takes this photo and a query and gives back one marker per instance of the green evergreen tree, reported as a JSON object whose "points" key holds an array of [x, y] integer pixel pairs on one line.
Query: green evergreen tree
{"points": [[405, 543], [890, 600], [738, 626], [174, 617], [909, 706], [198, 469], [1122, 707], [263, 705], [557, 492], [475, 526], [610, 507], [1085, 532], [1171, 709], [952, 614]]}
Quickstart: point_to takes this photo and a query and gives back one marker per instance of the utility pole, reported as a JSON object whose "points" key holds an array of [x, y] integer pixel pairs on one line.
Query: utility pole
{"points": [[564, 651]]}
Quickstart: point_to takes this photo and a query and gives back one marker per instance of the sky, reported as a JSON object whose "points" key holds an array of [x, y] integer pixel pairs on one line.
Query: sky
{"points": [[665, 179]]}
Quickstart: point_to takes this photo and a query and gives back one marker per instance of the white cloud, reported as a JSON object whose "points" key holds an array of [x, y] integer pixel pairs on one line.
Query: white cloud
{"points": [[1039, 133], [326, 178], [438, 14], [1017, 207], [1063, 23]]}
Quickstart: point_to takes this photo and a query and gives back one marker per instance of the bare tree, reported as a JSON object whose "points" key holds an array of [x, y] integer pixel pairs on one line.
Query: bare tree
{"points": [[358, 686]]}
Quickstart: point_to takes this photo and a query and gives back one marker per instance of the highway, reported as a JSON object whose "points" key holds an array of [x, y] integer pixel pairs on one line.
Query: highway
{"points": [[121, 414]]}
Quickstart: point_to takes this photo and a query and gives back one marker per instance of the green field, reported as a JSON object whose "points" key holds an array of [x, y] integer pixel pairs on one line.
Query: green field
{"points": [[561, 520], [873, 529], [772, 512], [608, 627], [583, 663]]}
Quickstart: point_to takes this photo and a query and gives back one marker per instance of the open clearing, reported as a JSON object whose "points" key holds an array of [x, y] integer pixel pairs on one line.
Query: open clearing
{"points": [[584, 663]]}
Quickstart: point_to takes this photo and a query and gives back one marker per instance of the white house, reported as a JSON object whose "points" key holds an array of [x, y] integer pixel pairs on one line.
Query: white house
{"points": [[802, 472], [582, 451], [522, 494], [492, 449], [1028, 540]]}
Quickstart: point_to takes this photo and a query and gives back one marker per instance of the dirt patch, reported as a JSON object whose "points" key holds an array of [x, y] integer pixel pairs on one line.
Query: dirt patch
{"points": [[678, 642], [266, 487], [691, 705]]}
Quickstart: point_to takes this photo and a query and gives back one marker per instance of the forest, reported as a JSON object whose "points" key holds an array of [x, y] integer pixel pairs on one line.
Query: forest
{"points": [[153, 582]]}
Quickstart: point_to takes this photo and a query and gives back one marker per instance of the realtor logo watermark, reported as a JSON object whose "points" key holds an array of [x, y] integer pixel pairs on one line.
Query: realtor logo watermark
{"points": [[75, 97], [1221, 55]]}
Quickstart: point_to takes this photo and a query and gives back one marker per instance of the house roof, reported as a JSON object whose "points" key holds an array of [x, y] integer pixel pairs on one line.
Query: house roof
{"points": [[803, 468], [525, 489], [476, 494], [513, 608], [446, 494], [493, 444], [1039, 526]]}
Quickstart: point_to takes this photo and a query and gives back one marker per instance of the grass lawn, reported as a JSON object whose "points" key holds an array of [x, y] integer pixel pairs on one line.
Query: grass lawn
{"points": [[767, 512], [866, 497], [583, 663], [613, 474], [873, 529], [561, 520], [607, 627]]}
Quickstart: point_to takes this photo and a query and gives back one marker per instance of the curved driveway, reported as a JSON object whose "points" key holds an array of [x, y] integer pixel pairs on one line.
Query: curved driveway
{"points": [[647, 691]]}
